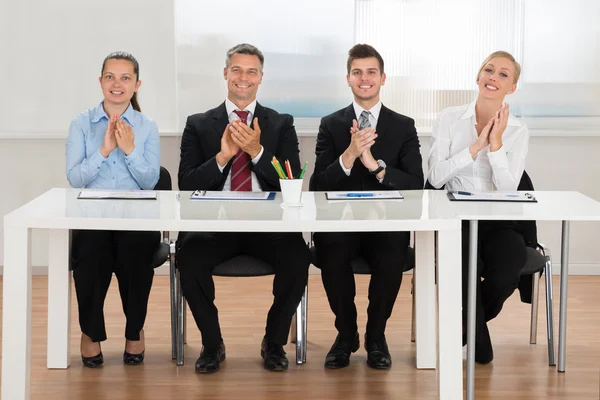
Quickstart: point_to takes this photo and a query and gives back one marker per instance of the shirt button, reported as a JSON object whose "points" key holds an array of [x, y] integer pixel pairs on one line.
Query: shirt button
{"points": [[114, 162], [113, 178]]}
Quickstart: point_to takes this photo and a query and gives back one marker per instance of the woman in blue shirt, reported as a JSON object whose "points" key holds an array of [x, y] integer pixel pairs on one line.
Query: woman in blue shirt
{"points": [[113, 146]]}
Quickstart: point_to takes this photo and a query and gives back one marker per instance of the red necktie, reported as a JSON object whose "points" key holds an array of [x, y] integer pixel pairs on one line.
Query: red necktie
{"points": [[241, 177]]}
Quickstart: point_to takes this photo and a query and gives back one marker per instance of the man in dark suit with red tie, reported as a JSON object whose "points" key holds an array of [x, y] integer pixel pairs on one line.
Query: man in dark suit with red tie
{"points": [[365, 146], [230, 148]]}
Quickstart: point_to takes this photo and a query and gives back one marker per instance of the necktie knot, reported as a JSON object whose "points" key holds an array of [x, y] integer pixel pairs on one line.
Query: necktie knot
{"points": [[243, 115], [363, 121]]}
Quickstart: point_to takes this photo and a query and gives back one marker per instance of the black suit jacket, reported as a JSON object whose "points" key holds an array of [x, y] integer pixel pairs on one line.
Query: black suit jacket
{"points": [[201, 142], [397, 145]]}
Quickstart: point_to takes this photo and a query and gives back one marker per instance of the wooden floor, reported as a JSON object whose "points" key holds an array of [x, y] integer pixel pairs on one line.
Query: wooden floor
{"points": [[519, 370]]}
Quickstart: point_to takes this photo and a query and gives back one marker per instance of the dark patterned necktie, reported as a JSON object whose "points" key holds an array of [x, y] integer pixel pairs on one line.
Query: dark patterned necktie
{"points": [[241, 177], [363, 121]]}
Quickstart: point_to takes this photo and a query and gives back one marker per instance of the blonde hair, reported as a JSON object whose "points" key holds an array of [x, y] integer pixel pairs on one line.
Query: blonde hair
{"points": [[502, 54]]}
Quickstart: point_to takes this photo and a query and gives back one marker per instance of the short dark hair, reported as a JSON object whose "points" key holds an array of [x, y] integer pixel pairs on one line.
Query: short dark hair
{"points": [[245, 48], [363, 51]]}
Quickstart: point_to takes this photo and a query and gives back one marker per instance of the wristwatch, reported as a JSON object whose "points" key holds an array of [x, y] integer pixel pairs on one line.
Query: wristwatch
{"points": [[382, 166]]}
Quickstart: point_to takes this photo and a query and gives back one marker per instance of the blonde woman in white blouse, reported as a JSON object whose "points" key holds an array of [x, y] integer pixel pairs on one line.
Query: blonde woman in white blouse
{"points": [[481, 147]]}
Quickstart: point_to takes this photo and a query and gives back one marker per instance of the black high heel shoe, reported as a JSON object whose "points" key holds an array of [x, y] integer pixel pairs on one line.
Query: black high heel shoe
{"points": [[133, 359], [94, 361]]}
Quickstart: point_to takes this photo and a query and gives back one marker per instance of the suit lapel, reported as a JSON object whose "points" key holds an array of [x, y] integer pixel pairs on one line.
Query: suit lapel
{"points": [[220, 119], [263, 118], [383, 122], [263, 121], [348, 117]]}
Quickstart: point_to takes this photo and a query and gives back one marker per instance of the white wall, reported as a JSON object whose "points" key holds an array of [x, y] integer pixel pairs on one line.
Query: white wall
{"points": [[52, 53], [30, 167]]}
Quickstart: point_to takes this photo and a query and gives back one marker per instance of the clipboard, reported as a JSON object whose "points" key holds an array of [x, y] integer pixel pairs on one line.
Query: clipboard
{"points": [[221, 195], [499, 197], [376, 195], [116, 195]]}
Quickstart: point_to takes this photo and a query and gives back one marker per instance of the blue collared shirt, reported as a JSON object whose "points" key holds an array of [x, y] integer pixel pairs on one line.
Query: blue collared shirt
{"points": [[87, 167]]}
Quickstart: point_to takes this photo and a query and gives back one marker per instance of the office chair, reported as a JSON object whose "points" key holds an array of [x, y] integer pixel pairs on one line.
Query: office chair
{"points": [[361, 267], [238, 266], [539, 261]]}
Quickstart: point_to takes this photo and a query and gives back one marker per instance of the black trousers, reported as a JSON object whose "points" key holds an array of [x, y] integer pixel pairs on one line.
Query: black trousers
{"points": [[501, 257], [95, 256], [385, 252], [198, 254]]}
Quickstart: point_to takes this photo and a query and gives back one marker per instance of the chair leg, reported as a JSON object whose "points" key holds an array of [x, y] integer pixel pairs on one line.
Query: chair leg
{"points": [[180, 319], [173, 297], [535, 291], [293, 328], [412, 322], [549, 309], [301, 328], [184, 305]]}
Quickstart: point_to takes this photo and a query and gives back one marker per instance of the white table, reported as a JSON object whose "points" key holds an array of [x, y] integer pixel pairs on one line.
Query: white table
{"points": [[59, 211], [551, 206]]}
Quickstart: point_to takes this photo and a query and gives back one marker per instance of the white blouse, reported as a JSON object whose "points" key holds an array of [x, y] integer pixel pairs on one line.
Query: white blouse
{"points": [[451, 164]]}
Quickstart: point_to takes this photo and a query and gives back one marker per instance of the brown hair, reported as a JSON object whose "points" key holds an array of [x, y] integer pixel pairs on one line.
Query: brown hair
{"points": [[363, 51], [122, 55], [502, 54]]}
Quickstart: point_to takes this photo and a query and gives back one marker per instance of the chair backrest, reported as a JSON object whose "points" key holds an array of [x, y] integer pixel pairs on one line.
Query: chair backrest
{"points": [[527, 228], [361, 267], [161, 255], [243, 265], [164, 180]]}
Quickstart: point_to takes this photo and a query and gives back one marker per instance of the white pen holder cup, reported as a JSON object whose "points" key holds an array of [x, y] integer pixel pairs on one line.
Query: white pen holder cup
{"points": [[291, 192]]}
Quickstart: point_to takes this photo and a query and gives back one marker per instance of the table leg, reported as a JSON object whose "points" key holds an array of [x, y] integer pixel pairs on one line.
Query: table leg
{"points": [[59, 300], [424, 274], [471, 309], [450, 378], [564, 282], [16, 313]]}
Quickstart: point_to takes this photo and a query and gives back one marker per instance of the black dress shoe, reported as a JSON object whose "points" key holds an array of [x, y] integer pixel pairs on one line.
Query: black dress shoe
{"points": [[378, 355], [274, 356], [339, 354], [132, 359], [94, 361], [210, 359]]}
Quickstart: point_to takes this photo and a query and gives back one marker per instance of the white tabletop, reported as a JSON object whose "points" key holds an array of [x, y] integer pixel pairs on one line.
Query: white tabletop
{"points": [[60, 209], [550, 206]]}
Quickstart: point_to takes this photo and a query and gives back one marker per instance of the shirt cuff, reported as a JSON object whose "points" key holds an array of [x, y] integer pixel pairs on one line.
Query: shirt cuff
{"points": [[133, 157], [464, 157], [346, 170], [256, 159], [498, 158], [96, 160], [218, 166]]}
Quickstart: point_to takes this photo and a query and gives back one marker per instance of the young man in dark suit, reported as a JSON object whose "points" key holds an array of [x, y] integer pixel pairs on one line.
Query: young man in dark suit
{"points": [[364, 146], [230, 148]]}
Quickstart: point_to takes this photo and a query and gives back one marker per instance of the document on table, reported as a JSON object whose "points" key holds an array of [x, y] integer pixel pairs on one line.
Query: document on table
{"points": [[377, 195], [227, 195], [516, 197], [117, 195]]}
